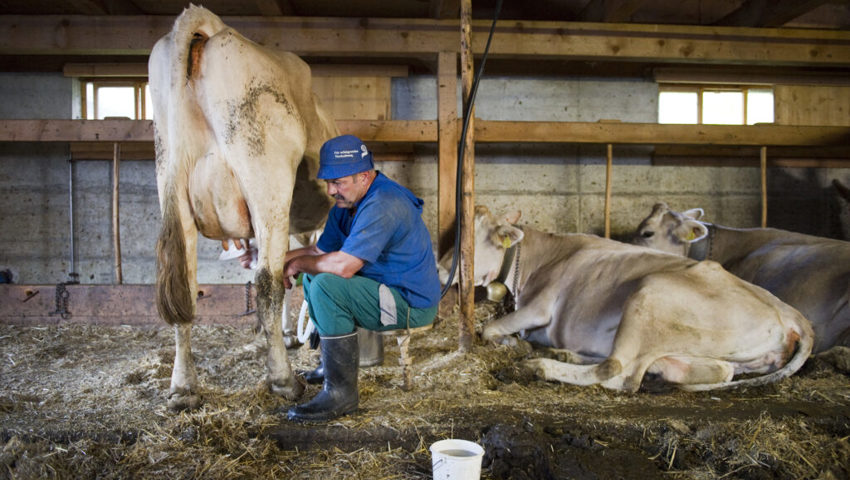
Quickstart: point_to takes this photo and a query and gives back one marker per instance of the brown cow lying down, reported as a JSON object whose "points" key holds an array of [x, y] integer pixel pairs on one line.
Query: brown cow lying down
{"points": [[635, 311], [810, 273]]}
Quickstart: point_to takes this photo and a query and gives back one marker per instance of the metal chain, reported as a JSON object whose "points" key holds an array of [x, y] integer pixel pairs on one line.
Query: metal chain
{"points": [[62, 295], [511, 305], [249, 304]]}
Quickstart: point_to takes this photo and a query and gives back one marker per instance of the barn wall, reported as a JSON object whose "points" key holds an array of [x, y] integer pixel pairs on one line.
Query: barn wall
{"points": [[559, 188], [34, 181]]}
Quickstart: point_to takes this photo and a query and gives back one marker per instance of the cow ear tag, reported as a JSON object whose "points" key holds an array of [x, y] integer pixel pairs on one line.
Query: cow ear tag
{"points": [[691, 236], [506, 241]]}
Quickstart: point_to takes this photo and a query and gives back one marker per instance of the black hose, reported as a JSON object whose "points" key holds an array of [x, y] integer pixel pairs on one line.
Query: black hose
{"points": [[467, 112]]}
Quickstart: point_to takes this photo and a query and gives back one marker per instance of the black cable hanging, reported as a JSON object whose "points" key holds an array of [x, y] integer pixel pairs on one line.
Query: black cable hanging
{"points": [[467, 111]]}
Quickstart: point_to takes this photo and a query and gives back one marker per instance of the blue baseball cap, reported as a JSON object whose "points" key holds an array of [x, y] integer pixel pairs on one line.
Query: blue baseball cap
{"points": [[343, 156]]}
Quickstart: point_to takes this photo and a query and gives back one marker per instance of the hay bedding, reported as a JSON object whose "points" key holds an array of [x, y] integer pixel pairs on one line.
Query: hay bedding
{"points": [[83, 401]]}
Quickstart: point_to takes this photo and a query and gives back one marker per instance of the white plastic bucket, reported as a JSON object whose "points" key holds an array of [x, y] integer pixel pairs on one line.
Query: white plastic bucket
{"points": [[455, 459]]}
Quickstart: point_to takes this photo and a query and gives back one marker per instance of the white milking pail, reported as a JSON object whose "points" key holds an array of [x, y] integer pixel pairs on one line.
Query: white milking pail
{"points": [[454, 459]]}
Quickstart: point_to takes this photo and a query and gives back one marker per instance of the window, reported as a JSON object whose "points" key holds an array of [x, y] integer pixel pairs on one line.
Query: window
{"points": [[116, 98], [696, 104]]}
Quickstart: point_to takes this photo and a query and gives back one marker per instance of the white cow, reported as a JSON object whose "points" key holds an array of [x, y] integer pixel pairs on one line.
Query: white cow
{"points": [[810, 273], [237, 131], [632, 311]]}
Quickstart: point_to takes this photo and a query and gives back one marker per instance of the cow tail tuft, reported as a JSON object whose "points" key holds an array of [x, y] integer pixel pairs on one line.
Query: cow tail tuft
{"points": [[173, 294]]}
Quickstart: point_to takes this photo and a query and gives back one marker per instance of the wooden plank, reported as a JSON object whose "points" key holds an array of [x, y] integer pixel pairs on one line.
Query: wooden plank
{"points": [[76, 131], [363, 98], [337, 70], [135, 35], [391, 130], [105, 70], [117, 305], [425, 131], [812, 105], [466, 267], [651, 133], [447, 147], [758, 13]]}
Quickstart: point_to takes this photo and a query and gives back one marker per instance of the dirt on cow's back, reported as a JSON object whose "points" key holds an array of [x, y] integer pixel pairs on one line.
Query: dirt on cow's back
{"points": [[82, 401]]}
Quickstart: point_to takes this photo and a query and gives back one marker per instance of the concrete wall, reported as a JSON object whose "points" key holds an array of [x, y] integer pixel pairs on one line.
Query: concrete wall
{"points": [[559, 188]]}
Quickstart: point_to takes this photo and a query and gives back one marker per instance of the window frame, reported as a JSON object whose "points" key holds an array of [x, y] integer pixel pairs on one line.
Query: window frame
{"points": [[700, 89], [138, 84]]}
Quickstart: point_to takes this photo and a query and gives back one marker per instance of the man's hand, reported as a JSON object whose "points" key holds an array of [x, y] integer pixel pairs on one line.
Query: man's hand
{"points": [[246, 258]]}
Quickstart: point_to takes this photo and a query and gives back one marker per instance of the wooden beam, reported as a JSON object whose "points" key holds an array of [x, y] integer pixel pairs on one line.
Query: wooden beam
{"points": [[221, 304], [657, 134], [135, 35], [486, 131], [466, 265], [448, 150], [105, 70], [610, 10], [275, 8], [769, 13], [441, 9], [88, 7]]}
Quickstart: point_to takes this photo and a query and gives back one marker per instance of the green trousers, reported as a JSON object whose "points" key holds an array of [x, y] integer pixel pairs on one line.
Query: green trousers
{"points": [[337, 305]]}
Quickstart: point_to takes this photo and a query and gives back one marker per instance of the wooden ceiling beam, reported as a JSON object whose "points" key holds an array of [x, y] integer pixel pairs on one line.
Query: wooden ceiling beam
{"points": [[610, 10], [443, 9], [275, 8], [88, 7], [416, 38], [769, 13], [425, 131]]}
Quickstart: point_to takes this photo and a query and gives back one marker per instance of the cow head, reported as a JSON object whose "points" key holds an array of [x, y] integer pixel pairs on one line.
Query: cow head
{"points": [[670, 231], [493, 236]]}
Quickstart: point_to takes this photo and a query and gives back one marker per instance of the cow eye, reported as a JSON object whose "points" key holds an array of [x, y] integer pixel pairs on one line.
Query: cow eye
{"points": [[647, 234]]}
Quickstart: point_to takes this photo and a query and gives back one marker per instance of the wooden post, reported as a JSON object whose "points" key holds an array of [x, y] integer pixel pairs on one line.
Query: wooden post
{"points": [[447, 163], [608, 168], [763, 187], [467, 245], [447, 136], [116, 234]]}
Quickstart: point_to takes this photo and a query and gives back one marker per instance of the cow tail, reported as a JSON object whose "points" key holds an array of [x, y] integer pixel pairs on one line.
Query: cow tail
{"points": [[173, 294], [191, 31], [801, 354]]}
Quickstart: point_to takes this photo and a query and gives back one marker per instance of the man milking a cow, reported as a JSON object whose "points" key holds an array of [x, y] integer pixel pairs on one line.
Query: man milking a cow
{"points": [[373, 267]]}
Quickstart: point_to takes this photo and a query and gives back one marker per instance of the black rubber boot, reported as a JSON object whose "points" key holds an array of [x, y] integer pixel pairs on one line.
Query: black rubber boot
{"points": [[339, 394], [371, 348]]}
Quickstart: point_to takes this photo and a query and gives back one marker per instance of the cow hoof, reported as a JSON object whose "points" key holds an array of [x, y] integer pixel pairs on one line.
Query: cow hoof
{"points": [[291, 391], [537, 366], [179, 401], [291, 341]]}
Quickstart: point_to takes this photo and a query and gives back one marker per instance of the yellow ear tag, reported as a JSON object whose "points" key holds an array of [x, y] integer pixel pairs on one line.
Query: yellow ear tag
{"points": [[506, 242], [691, 235]]}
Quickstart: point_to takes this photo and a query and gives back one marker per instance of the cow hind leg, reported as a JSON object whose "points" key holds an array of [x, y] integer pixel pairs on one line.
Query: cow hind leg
{"points": [[184, 380], [553, 370], [270, 295], [685, 371], [175, 294]]}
